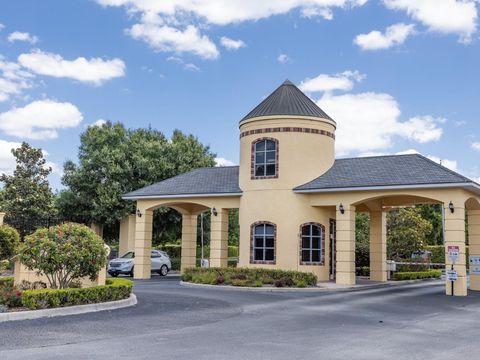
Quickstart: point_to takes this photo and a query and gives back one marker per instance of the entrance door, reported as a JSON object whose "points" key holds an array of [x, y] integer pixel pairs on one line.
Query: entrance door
{"points": [[333, 248]]}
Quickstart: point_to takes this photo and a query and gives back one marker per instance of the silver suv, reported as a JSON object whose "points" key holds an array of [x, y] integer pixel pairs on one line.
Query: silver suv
{"points": [[124, 265]]}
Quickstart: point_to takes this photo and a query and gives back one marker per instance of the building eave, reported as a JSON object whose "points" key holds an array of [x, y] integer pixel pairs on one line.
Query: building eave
{"points": [[179, 196]]}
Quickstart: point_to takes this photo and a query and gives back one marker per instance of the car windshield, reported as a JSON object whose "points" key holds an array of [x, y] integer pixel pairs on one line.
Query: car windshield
{"points": [[129, 255]]}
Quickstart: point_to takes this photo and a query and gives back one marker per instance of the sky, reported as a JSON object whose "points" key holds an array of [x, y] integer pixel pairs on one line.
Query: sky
{"points": [[398, 76]]}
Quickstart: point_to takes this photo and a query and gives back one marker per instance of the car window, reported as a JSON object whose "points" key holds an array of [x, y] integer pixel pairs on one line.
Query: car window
{"points": [[155, 254], [129, 255]]}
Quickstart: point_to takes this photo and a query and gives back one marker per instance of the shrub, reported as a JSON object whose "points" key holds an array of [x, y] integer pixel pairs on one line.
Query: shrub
{"points": [[431, 274], [114, 289], [6, 281], [363, 271], [176, 262], [248, 277], [9, 241], [64, 253], [10, 296]]}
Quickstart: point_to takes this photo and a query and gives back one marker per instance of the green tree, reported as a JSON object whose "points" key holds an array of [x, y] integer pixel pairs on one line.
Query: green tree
{"points": [[362, 239], [407, 232], [433, 214], [114, 160], [26, 195], [64, 253], [9, 241]]}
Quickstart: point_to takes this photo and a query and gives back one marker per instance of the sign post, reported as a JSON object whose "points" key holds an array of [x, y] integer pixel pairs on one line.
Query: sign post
{"points": [[453, 254]]}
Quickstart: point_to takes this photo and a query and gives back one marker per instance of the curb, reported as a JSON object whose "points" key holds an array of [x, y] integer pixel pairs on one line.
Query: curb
{"points": [[69, 310], [311, 289]]}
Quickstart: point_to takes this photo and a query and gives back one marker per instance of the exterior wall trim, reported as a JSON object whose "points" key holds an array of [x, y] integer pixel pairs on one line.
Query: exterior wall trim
{"points": [[252, 227], [287, 129], [175, 196], [322, 252], [392, 187], [287, 117]]}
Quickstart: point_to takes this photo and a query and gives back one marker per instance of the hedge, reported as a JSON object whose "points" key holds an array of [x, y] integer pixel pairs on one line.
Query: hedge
{"points": [[114, 289], [431, 274], [249, 277], [6, 281]]}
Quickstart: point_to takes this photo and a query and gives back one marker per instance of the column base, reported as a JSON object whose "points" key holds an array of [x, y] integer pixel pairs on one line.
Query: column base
{"points": [[459, 287], [345, 278]]}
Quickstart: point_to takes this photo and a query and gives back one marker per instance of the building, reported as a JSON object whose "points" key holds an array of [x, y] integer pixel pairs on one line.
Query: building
{"points": [[297, 204]]}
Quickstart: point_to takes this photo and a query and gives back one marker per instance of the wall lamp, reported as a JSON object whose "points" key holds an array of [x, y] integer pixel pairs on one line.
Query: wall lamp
{"points": [[214, 212], [342, 209], [451, 207], [139, 213]]}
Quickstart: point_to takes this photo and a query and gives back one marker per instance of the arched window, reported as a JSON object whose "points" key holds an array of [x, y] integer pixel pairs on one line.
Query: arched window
{"points": [[312, 244], [265, 158], [263, 243]]}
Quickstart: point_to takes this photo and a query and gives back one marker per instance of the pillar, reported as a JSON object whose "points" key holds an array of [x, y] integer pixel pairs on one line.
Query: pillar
{"points": [[345, 265], [455, 236], [127, 235], [474, 245], [97, 228], [219, 239], [2, 216], [143, 245], [378, 246], [189, 241]]}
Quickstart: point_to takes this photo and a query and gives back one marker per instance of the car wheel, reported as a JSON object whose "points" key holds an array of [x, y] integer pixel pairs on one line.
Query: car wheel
{"points": [[163, 270]]}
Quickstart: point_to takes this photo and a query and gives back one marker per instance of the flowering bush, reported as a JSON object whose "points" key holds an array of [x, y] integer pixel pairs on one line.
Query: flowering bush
{"points": [[64, 253], [10, 296]]}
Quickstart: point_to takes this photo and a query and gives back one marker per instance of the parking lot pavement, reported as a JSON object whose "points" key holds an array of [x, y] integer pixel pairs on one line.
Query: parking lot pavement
{"points": [[405, 322]]}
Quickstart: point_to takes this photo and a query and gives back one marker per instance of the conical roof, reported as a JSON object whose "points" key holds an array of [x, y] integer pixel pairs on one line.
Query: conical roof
{"points": [[287, 99]]}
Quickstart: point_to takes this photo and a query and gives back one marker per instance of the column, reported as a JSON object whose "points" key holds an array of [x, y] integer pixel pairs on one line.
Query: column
{"points": [[455, 236], [474, 245], [2, 215], [189, 241], [143, 245], [378, 246], [219, 239], [345, 266], [127, 235]]}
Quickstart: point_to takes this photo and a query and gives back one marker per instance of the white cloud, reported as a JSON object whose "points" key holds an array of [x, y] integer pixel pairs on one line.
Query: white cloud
{"points": [[394, 35], [191, 67], [324, 82], [94, 71], [13, 80], [169, 39], [449, 164], [22, 36], [443, 16], [368, 122], [231, 44], [283, 58], [476, 146], [98, 123], [219, 161], [173, 25], [40, 119], [2, 27], [7, 160]]}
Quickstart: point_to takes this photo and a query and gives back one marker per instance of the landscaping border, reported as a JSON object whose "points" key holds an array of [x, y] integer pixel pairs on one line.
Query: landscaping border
{"points": [[68, 310]]}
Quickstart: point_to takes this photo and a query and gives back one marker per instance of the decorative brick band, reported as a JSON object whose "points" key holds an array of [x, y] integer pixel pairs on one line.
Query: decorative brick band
{"points": [[287, 129], [252, 239], [252, 160], [322, 250]]}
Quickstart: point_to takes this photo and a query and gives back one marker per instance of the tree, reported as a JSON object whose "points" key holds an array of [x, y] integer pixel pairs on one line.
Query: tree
{"points": [[362, 239], [26, 196], [433, 214], [406, 232], [64, 253], [114, 160], [9, 241]]}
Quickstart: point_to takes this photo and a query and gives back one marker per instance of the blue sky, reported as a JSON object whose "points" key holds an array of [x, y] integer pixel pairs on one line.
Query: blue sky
{"points": [[397, 75]]}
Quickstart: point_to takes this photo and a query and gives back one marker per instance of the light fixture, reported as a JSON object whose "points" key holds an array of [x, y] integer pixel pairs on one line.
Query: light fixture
{"points": [[342, 209], [139, 213], [451, 207], [214, 212]]}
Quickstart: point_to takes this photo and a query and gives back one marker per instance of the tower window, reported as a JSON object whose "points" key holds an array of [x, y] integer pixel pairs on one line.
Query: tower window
{"points": [[265, 158]]}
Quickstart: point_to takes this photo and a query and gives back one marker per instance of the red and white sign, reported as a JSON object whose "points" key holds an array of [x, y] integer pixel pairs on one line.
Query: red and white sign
{"points": [[453, 253]]}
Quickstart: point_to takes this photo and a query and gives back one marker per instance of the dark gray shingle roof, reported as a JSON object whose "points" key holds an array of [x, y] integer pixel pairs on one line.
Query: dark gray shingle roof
{"points": [[287, 99], [214, 180], [395, 170]]}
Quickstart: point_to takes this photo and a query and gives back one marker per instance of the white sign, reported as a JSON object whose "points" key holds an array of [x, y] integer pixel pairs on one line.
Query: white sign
{"points": [[474, 260], [452, 275], [475, 270], [204, 263], [453, 253]]}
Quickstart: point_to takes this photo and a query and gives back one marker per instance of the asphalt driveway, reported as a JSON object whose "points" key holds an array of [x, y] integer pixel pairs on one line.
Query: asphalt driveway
{"points": [[174, 322]]}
